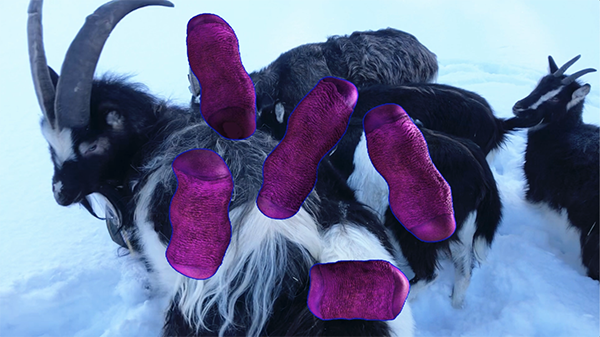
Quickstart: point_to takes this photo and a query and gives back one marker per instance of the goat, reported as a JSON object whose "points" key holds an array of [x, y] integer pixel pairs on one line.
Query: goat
{"points": [[387, 56], [445, 108], [475, 197], [109, 136], [561, 157], [461, 161]]}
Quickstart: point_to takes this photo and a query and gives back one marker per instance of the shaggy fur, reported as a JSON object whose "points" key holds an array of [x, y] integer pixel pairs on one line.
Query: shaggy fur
{"points": [[386, 56], [267, 263], [262, 285], [199, 213]]}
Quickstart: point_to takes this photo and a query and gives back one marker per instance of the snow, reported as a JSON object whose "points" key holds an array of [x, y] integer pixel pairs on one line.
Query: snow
{"points": [[63, 276]]}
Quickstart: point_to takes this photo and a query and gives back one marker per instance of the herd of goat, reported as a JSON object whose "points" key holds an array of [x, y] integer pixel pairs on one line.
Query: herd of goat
{"points": [[110, 137]]}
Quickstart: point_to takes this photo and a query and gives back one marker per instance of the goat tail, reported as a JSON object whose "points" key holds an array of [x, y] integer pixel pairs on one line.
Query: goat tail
{"points": [[514, 123], [489, 215]]}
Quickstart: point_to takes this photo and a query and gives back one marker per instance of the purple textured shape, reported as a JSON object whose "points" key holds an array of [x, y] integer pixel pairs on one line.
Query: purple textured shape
{"points": [[199, 214], [314, 127], [228, 101], [420, 198], [372, 290]]}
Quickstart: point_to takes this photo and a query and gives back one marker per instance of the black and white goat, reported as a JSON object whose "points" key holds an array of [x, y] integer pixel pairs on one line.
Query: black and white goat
{"points": [[562, 154], [108, 136], [476, 201], [386, 56]]}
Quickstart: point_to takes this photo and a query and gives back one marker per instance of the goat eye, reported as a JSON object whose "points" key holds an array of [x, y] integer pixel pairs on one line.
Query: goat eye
{"points": [[91, 148], [553, 100]]}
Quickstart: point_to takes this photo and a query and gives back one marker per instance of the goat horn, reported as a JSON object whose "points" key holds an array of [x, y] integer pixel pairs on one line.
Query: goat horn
{"points": [[74, 88], [42, 81], [566, 66], [552, 65], [573, 77]]}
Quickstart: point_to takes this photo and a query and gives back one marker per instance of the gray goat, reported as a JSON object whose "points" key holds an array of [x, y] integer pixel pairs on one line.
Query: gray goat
{"points": [[386, 56]]}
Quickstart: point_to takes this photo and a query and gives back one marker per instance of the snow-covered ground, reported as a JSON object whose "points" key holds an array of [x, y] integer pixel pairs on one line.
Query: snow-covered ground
{"points": [[61, 275]]}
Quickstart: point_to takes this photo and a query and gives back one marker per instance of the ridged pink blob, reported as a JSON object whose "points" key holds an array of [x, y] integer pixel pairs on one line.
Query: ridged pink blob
{"points": [[228, 100], [199, 214], [371, 290], [314, 127], [420, 198]]}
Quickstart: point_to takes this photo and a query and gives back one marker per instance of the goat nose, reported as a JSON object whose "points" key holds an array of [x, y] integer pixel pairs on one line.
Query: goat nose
{"points": [[60, 199], [58, 195], [517, 109]]}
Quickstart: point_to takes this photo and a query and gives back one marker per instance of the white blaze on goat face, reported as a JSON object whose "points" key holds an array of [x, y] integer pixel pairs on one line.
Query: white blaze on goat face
{"points": [[546, 97], [61, 142]]}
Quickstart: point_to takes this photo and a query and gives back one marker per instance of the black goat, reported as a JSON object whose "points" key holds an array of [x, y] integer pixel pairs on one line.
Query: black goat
{"points": [[445, 108], [476, 201], [110, 137], [561, 157], [387, 56], [438, 107]]}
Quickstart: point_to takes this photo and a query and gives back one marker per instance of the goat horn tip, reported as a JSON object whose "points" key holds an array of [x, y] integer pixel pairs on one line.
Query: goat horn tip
{"points": [[165, 3]]}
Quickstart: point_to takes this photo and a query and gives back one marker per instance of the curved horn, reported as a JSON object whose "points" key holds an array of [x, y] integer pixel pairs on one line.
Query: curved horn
{"points": [[573, 77], [42, 81], [74, 87], [566, 66]]}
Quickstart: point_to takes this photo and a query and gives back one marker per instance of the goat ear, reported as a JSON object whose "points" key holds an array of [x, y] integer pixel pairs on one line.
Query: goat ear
{"points": [[115, 120], [581, 92], [578, 95], [552, 64], [279, 112]]}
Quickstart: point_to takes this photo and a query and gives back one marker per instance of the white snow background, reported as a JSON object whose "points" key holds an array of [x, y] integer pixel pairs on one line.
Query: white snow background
{"points": [[61, 275]]}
